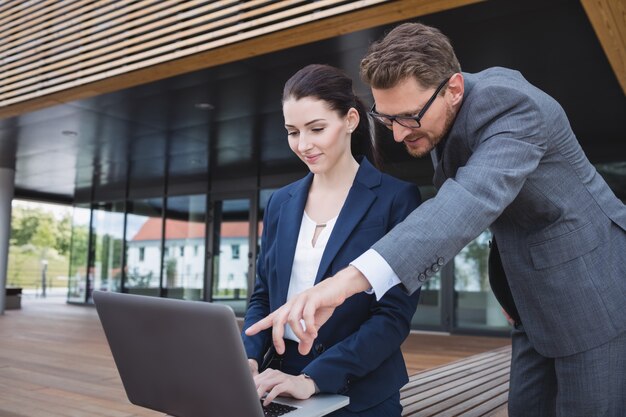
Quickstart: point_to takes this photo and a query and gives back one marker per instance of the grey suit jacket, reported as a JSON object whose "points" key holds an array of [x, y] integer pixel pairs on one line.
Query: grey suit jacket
{"points": [[512, 163]]}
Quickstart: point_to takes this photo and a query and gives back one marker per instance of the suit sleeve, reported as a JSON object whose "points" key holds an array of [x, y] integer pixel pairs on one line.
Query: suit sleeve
{"points": [[508, 139], [378, 337], [259, 306]]}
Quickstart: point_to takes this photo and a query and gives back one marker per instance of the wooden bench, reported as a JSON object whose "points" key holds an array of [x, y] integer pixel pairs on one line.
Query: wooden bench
{"points": [[474, 386]]}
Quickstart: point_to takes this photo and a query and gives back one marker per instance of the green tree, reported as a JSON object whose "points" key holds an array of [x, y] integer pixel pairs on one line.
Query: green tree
{"points": [[64, 235], [36, 236], [44, 236], [33, 226], [80, 245]]}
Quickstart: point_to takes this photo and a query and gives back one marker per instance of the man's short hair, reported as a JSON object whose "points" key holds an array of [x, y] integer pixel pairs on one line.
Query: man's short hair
{"points": [[411, 49]]}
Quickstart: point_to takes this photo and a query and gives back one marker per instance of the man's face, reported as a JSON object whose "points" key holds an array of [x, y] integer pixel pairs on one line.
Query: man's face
{"points": [[408, 98]]}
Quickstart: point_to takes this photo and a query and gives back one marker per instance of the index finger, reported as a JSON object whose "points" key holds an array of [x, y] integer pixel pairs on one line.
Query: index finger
{"points": [[260, 325]]}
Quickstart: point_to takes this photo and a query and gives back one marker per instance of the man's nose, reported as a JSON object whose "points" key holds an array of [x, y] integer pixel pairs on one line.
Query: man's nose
{"points": [[400, 132]]}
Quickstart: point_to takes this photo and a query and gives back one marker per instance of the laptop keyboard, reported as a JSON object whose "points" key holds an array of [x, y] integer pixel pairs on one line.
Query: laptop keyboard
{"points": [[275, 409]]}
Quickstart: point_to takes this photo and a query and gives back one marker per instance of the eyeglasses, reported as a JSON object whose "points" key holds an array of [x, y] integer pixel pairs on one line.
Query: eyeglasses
{"points": [[412, 122]]}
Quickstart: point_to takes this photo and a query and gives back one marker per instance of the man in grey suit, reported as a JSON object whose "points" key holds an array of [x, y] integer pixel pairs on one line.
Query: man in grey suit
{"points": [[505, 158]]}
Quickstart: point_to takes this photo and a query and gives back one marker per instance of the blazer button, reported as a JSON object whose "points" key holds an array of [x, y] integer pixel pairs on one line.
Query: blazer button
{"points": [[435, 268], [440, 261], [421, 278], [429, 273], [319, 348]]}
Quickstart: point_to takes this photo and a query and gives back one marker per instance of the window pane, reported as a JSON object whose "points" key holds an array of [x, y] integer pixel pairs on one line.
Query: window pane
{"points": [[77, 286], [476, 306], [184, 247], [143, 246], [428, 313], [230, 275], [108, 235]]}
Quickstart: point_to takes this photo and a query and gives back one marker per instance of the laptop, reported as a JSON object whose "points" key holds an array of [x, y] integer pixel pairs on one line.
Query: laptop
{"points": [[186, 359]]}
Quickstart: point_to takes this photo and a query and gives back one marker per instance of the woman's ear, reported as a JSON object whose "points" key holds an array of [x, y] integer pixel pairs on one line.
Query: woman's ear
{"points": [[352, 119]]}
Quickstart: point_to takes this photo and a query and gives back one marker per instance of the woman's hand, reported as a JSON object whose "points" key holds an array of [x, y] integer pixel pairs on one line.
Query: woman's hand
{"points": [[275, 383]]}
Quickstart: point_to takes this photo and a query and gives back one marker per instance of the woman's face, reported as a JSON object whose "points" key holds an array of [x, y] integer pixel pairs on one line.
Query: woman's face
{"points": [[319, 136]]}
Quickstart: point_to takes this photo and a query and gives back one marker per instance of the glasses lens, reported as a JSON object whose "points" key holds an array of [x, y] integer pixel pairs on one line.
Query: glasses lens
{"points": [[410, 122], [382, 119]]}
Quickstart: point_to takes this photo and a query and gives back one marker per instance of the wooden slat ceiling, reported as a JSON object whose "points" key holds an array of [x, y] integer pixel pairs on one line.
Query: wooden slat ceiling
{"points": [[53, 51], [50, 46]]}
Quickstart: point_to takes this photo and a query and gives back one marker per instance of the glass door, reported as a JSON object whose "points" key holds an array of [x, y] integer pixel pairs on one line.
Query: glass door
{"points": [[231, 251]]}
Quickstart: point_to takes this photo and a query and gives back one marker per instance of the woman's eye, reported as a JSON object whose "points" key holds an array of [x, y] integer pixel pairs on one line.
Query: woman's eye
{"points": [[292, 133], [317, 129]]}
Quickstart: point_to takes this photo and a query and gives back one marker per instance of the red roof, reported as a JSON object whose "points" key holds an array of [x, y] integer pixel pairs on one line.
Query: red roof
{"points": [[179, 229]]}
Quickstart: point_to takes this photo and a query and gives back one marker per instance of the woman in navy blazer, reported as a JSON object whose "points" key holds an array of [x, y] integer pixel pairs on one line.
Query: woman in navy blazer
{"points": [[346, 204]]}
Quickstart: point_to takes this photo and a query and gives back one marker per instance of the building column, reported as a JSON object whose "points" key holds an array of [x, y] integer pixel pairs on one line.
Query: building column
{"points": [[7, 186]]}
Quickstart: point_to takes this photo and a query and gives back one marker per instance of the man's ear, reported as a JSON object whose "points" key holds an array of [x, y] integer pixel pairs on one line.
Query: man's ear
{"points": [[455, 89]]}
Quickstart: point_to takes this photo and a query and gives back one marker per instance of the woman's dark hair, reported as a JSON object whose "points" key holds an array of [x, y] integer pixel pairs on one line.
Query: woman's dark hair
{"points": [[334, 87]]}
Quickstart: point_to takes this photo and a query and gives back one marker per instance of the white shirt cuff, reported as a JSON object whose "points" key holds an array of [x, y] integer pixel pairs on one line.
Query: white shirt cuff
{"points": [[377, 271]]}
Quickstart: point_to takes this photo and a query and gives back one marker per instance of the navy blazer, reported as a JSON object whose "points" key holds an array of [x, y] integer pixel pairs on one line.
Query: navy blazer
{"points": [[357, 352]]}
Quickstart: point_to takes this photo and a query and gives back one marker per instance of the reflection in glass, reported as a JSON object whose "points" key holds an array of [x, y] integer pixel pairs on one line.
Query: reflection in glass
{"points": [[143, 246], [428, 312], [77, 285], [108, 235], [184, 247], [476, 306], [231, 228]]}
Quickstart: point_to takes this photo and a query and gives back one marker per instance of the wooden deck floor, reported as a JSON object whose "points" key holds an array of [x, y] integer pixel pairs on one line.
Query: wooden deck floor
{"points": [[54, 361]]}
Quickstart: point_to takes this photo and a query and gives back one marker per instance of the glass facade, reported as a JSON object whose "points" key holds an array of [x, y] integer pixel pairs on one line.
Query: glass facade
{"points": [[476, 307], [185, 231], [143, 239], [108, 240], [231, 248], [181, 247], [77, 280]]}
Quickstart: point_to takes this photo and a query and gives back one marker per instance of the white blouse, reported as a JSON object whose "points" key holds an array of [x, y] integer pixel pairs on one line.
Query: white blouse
{"points": [[306, 260]]}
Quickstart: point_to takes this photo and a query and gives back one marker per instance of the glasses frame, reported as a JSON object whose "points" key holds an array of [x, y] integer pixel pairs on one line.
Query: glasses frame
{"points": [[387, 120]]}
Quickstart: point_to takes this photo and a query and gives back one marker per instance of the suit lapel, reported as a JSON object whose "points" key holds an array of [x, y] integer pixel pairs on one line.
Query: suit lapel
{"points": [[287, 234], [360, 198]]}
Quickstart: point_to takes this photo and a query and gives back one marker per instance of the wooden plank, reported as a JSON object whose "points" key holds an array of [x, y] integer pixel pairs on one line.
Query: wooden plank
{"points": [[492, 404], [458, 367], [204, 41], [89, 39], [122, 44], [410, 389], [477, 385], [310, 32], [442, 402], [503, 354], [82, 22], [46, 17], [501, 411], [608, 18], [454, 387], [13, 11]]}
